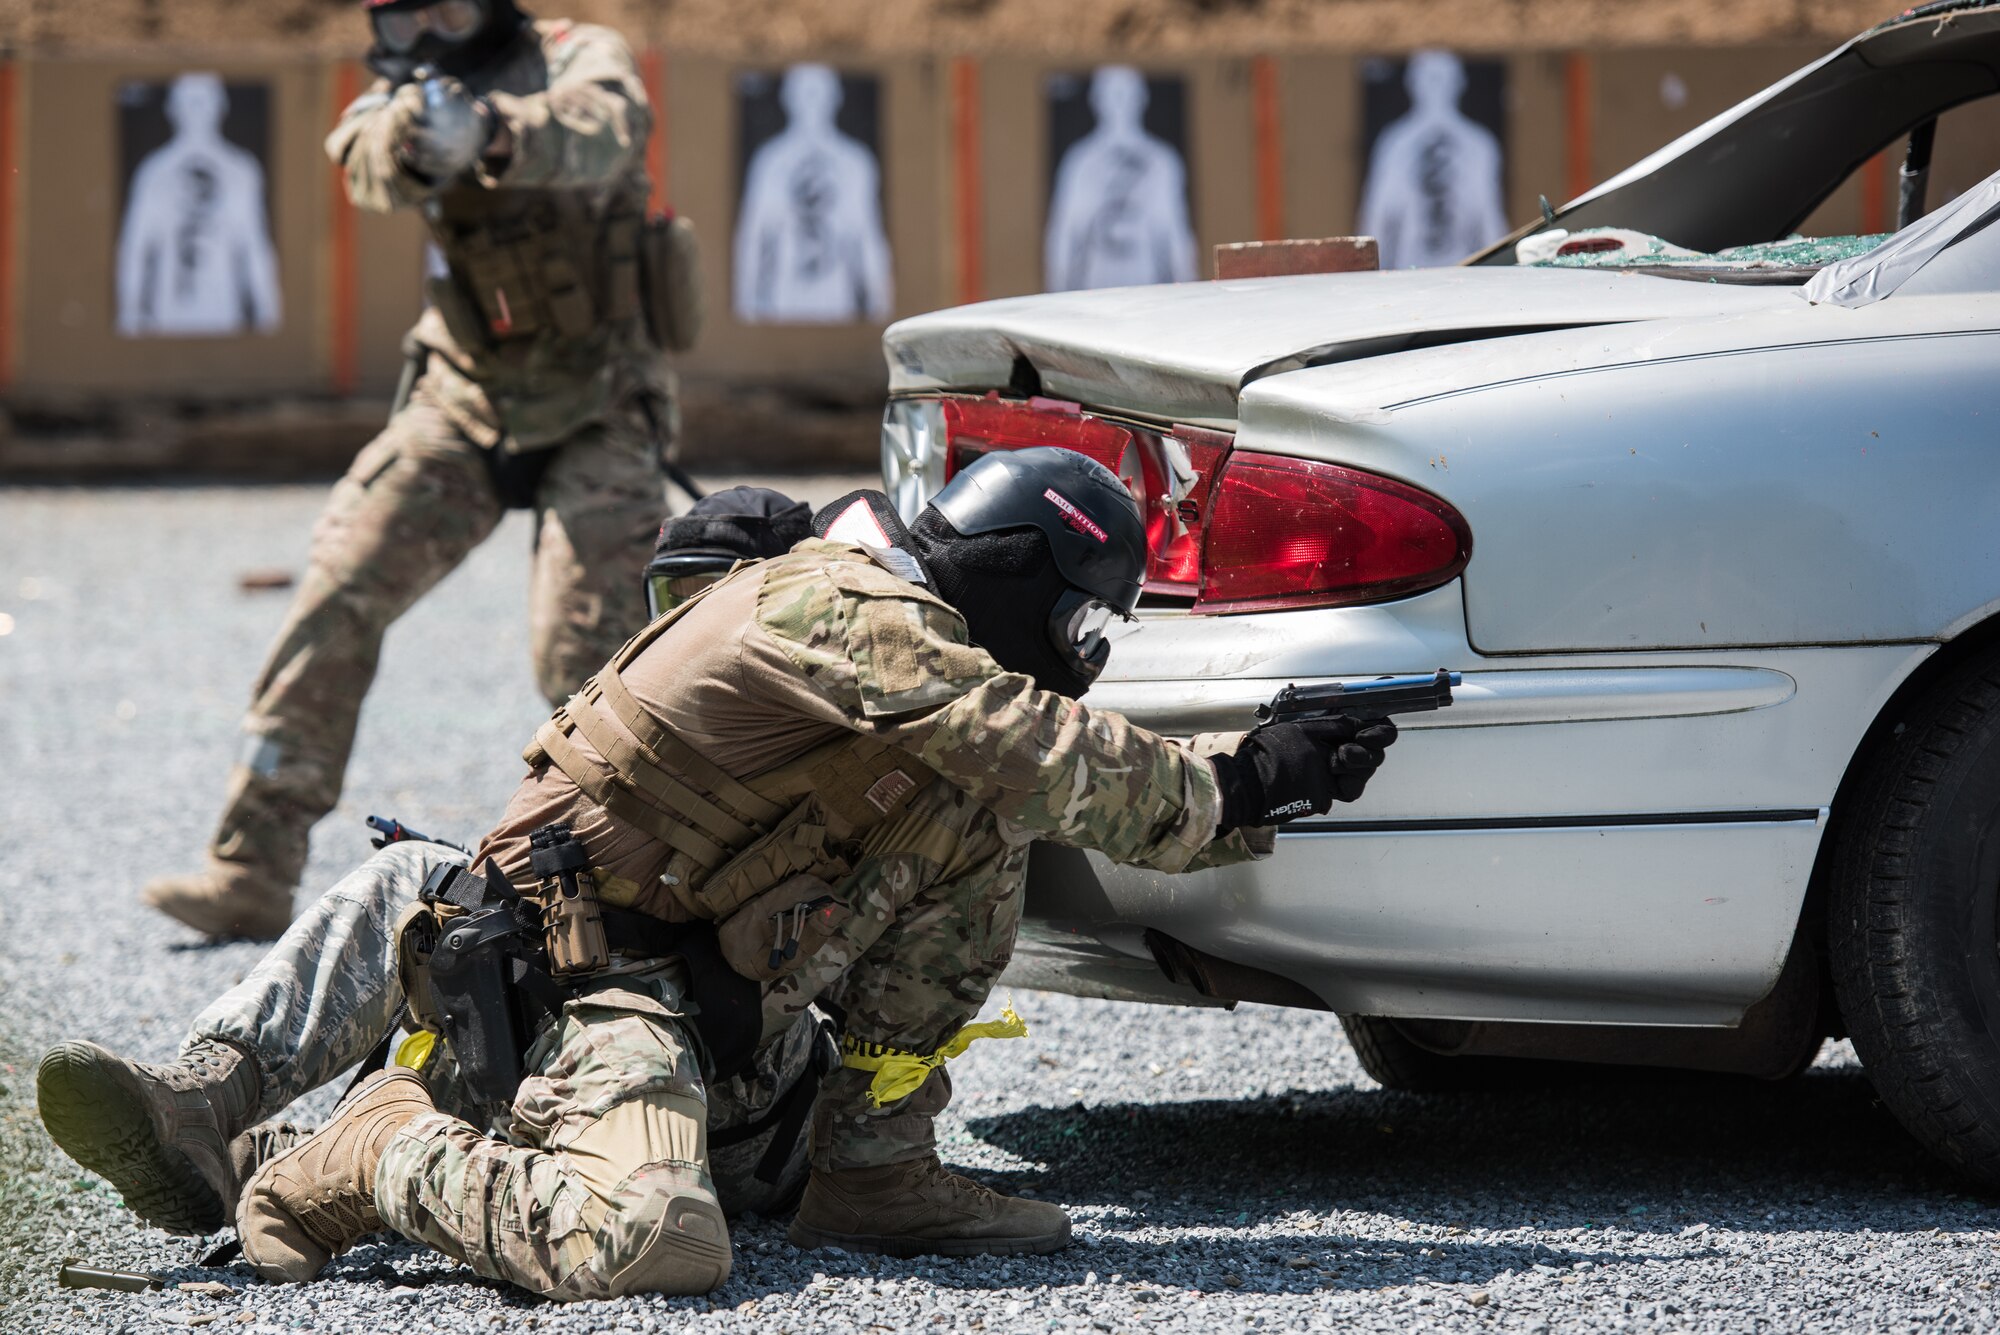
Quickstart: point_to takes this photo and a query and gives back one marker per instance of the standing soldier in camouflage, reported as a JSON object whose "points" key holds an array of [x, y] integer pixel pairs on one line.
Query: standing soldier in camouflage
{"points": [[825, 770], [538, 382]]}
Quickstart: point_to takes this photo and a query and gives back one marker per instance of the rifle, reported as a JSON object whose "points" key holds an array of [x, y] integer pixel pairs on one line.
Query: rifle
{"points": [[1368, 701]]}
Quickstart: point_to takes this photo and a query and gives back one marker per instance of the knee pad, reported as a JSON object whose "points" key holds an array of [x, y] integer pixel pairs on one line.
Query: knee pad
{"points": [[662, 1229], [663, 1233]]}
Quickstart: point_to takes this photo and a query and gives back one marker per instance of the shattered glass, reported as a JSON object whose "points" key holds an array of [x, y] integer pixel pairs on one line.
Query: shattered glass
{"points": [[1794, 252]]}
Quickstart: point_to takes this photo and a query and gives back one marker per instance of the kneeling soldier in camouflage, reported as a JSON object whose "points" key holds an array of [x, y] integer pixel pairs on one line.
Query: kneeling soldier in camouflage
{"points": [[817, 780]]}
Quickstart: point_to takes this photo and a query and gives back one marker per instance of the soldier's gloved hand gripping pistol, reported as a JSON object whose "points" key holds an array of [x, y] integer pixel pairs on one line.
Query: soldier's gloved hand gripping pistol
{"points": [[1317, 745]]}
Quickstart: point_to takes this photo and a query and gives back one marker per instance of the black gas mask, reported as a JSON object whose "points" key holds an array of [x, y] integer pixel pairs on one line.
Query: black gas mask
{"points": [[453, 37], [1017, 605]]}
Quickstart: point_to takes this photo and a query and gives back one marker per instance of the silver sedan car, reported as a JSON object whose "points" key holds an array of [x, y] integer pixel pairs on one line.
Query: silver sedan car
{"points": [[1707, 515]]}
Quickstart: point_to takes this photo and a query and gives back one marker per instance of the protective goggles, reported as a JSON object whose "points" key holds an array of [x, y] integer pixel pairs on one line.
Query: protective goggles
{"points": [[1077, 625], [672, 580], [450, 21]]}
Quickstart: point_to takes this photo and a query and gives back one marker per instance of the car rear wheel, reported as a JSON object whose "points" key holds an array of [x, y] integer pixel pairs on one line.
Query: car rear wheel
{"points": [[1914, 916]]}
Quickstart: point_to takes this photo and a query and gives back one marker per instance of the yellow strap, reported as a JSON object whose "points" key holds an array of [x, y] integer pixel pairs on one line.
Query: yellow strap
{"points": [[415, 1051], [899, 1074]]}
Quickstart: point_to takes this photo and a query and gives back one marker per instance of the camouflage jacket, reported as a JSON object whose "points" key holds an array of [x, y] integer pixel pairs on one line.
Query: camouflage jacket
{"points": [[534, 329], [793, 652]]}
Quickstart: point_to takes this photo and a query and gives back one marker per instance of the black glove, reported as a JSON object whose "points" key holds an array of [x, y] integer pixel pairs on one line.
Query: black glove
{"points": [[1283, 771]]}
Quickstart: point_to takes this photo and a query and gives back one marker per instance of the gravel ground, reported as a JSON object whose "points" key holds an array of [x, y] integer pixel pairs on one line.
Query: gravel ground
{"points": [[126, 649]]}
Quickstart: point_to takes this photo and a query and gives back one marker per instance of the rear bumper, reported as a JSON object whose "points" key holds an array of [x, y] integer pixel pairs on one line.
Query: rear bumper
{"points": [[1682, 922]]}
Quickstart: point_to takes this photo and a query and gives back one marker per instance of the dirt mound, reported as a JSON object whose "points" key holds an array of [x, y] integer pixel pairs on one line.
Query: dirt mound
{"points": [[834, 29]]}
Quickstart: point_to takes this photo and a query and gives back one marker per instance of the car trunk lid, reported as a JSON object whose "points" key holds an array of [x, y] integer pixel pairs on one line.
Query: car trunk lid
{"points": [[1180, 353]]}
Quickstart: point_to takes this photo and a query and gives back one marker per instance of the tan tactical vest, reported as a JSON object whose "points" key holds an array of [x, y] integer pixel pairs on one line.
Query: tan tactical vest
{"points": [[731, 839], [554, 267]]}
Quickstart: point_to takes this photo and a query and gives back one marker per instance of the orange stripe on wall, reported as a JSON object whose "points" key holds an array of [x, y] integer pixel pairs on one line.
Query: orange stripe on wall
{"points": [[344, 297], [1577, 112], [1270, 149], [9, 166], [1874, 176], [967, 185], [653, 69]]}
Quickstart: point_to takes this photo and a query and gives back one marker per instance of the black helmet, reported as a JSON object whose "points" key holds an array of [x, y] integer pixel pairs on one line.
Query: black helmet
{"points": [[1038, 549], [1092, 523], [720, 529]]}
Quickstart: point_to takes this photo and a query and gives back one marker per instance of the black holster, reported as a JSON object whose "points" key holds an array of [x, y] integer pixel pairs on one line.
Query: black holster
{"points": [[491, 988], [473, 970]]}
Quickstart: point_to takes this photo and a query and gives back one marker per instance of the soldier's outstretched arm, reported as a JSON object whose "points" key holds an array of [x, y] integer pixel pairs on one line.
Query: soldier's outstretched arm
{"points": [[1090, 778], [899, 666], [589, 126], [363, 146]]}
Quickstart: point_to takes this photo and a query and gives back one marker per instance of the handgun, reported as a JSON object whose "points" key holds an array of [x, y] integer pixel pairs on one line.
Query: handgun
{"points": [[1365, 700]]}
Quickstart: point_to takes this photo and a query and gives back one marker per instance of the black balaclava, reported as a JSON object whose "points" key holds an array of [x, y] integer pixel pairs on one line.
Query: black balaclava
{"points": [[1005, 584], [504, 22]]}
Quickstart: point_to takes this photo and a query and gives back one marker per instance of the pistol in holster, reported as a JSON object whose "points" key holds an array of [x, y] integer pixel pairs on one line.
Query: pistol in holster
{"points": [[471, 951], [572, 920]]}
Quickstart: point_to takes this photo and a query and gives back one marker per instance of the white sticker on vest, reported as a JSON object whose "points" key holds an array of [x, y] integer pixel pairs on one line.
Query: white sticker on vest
{"points": [[900, 564], [857, 524]]}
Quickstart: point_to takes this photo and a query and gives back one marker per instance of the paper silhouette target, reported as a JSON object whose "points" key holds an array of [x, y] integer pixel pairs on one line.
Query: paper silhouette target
{"points": [[810, 244], [195, 258], [1118, 194], [1434, 127]]}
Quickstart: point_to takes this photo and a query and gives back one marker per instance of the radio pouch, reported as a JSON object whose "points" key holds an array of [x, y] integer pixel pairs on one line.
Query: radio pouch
{"points": [[670, 282]]}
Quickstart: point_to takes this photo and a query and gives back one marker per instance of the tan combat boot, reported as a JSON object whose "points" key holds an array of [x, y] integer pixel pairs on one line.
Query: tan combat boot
{"points": [[919, 1209], [162, 1135], [225, 899], [317, 1199]]}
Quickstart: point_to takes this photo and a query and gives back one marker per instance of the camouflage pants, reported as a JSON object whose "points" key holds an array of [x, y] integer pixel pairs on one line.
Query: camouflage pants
{"points": [[578, 1199], [936, 896], [603, 1142], [414, 503], [328, 991]]}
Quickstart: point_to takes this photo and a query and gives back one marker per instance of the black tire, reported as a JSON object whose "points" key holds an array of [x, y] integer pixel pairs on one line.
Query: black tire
{"points": [[1397, 1061], [1913, 914]]}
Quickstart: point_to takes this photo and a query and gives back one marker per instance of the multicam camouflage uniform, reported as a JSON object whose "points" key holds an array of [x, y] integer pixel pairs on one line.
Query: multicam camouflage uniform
{"points": [[329, 991], [781, 658], [535, 343]]}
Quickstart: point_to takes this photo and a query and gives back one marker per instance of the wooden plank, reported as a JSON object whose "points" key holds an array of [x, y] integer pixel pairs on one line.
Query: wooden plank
{"points": [[1280, 259]]}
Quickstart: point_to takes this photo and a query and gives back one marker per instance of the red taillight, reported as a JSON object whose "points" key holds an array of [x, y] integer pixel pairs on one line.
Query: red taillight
{"points": [[977, 426], [1286, 532], [1254, 531]]}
